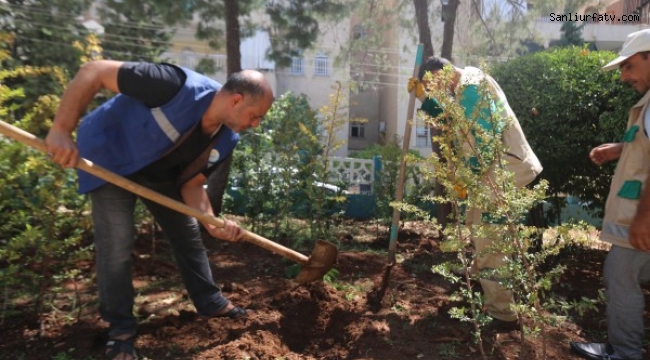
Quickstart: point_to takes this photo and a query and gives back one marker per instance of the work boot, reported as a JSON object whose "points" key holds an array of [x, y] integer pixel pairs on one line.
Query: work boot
{"points": [[595, 351]]}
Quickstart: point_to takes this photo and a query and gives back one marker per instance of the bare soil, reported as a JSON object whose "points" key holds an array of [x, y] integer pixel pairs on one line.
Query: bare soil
{"points": [[321, 320]]}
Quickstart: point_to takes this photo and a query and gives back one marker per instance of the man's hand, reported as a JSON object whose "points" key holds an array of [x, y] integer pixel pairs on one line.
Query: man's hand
{"points": [[61, 148], [606, 152], [229, 232], [415, 84], [194, 195], [92, 77], [461, 191]]}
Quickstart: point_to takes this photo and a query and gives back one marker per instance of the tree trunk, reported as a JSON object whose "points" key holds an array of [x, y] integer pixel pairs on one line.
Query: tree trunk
{"points": [[444, 209], [218, 180], [422, 18], [448, 30], [233, 53]]}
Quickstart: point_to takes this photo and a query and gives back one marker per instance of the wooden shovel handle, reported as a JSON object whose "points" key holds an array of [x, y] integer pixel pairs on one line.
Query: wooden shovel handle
{"points": [[104, 174], [406, 144]]}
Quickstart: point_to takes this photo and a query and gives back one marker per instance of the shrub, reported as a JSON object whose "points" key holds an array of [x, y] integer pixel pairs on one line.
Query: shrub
{"points": [[567, 106]]}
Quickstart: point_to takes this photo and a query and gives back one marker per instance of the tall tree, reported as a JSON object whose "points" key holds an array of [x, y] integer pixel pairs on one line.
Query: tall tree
{"points": [[42, 36], [212, 15], [365, 52], [449, 11], [498, 28], [140, 30], [505, 28], [43, 33], [224, 19], [424, 30], [233, 38], [293, 27], [571, 32]]}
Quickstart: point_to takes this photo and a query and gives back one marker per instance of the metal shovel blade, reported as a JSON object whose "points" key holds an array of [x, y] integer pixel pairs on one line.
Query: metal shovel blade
{"points": [[322, 259]]}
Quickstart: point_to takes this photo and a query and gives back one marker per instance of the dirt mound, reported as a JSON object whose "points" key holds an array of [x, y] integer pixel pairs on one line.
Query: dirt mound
{"points": [[333, 320]]}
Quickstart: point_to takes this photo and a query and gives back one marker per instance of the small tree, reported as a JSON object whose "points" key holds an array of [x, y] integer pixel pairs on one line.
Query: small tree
{"points": [[140, 30], [281, 165], [278, 164], [571, 34], [472, 168]]}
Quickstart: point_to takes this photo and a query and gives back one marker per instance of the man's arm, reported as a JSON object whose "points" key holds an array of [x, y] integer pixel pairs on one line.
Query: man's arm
{"points": [[640, 228], [218, 176], [89, 80], [194, 195], [606, 152]]}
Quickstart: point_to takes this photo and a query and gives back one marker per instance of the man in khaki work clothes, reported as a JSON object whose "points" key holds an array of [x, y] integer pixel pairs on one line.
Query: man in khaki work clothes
{"points": [[627, 214], [520, 160]]}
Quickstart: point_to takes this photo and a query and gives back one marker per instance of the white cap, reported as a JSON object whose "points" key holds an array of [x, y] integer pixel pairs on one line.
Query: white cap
{"points": [[636, 42]]}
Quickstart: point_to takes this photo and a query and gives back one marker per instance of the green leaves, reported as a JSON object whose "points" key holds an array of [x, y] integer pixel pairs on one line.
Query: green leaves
{"points": [[43, 219], [577, 107], [137, 30], [43, 32], [43, 222], [278, 167], [295, 26]]}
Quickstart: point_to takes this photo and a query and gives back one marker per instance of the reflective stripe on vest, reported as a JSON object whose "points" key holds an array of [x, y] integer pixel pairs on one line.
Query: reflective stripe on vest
{"points": [[165, 125]]}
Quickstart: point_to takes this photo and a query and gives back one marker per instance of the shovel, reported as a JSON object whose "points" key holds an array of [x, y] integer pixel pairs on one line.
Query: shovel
{"points": [[314, 267]]}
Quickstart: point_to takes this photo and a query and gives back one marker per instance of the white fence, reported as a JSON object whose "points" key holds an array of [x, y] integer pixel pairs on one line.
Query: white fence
{"points": [[358, 173]]}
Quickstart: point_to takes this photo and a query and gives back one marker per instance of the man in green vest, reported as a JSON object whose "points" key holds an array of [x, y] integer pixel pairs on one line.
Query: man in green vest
{"points": [[484, 110]]}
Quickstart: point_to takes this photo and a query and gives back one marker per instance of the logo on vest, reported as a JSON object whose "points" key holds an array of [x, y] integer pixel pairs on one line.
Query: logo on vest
{"points": [[214, 156]]}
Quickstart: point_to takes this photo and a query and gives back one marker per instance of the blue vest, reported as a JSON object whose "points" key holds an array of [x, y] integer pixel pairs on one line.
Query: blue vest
{"points": [[123, 135]]}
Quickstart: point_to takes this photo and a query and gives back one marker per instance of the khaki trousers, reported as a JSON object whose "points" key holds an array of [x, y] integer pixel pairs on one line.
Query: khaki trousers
{"points": [[497, 300]]}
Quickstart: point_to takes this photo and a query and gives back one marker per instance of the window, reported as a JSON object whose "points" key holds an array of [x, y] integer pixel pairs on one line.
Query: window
{"points": [[321, 65], [357, 130], [297, 66], [422, 136]]}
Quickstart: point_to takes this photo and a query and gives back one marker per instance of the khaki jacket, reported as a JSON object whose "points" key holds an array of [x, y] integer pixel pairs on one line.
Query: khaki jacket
{"points": [[520, 158], [627, 185]]}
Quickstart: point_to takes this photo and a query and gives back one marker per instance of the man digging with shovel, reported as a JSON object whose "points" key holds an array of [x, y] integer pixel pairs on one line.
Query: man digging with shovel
{"points": [[167, 129]]}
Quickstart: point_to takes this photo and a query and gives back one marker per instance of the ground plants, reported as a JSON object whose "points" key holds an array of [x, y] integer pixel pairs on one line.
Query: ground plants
{"points": [[43, 223]]}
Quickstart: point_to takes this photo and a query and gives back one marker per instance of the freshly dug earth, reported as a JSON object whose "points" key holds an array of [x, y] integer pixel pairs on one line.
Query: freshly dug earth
{"points": [[323, 320]]}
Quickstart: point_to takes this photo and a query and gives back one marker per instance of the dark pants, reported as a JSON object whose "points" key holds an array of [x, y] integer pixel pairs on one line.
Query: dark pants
{"points": [[113, 220], [624, 272]]}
